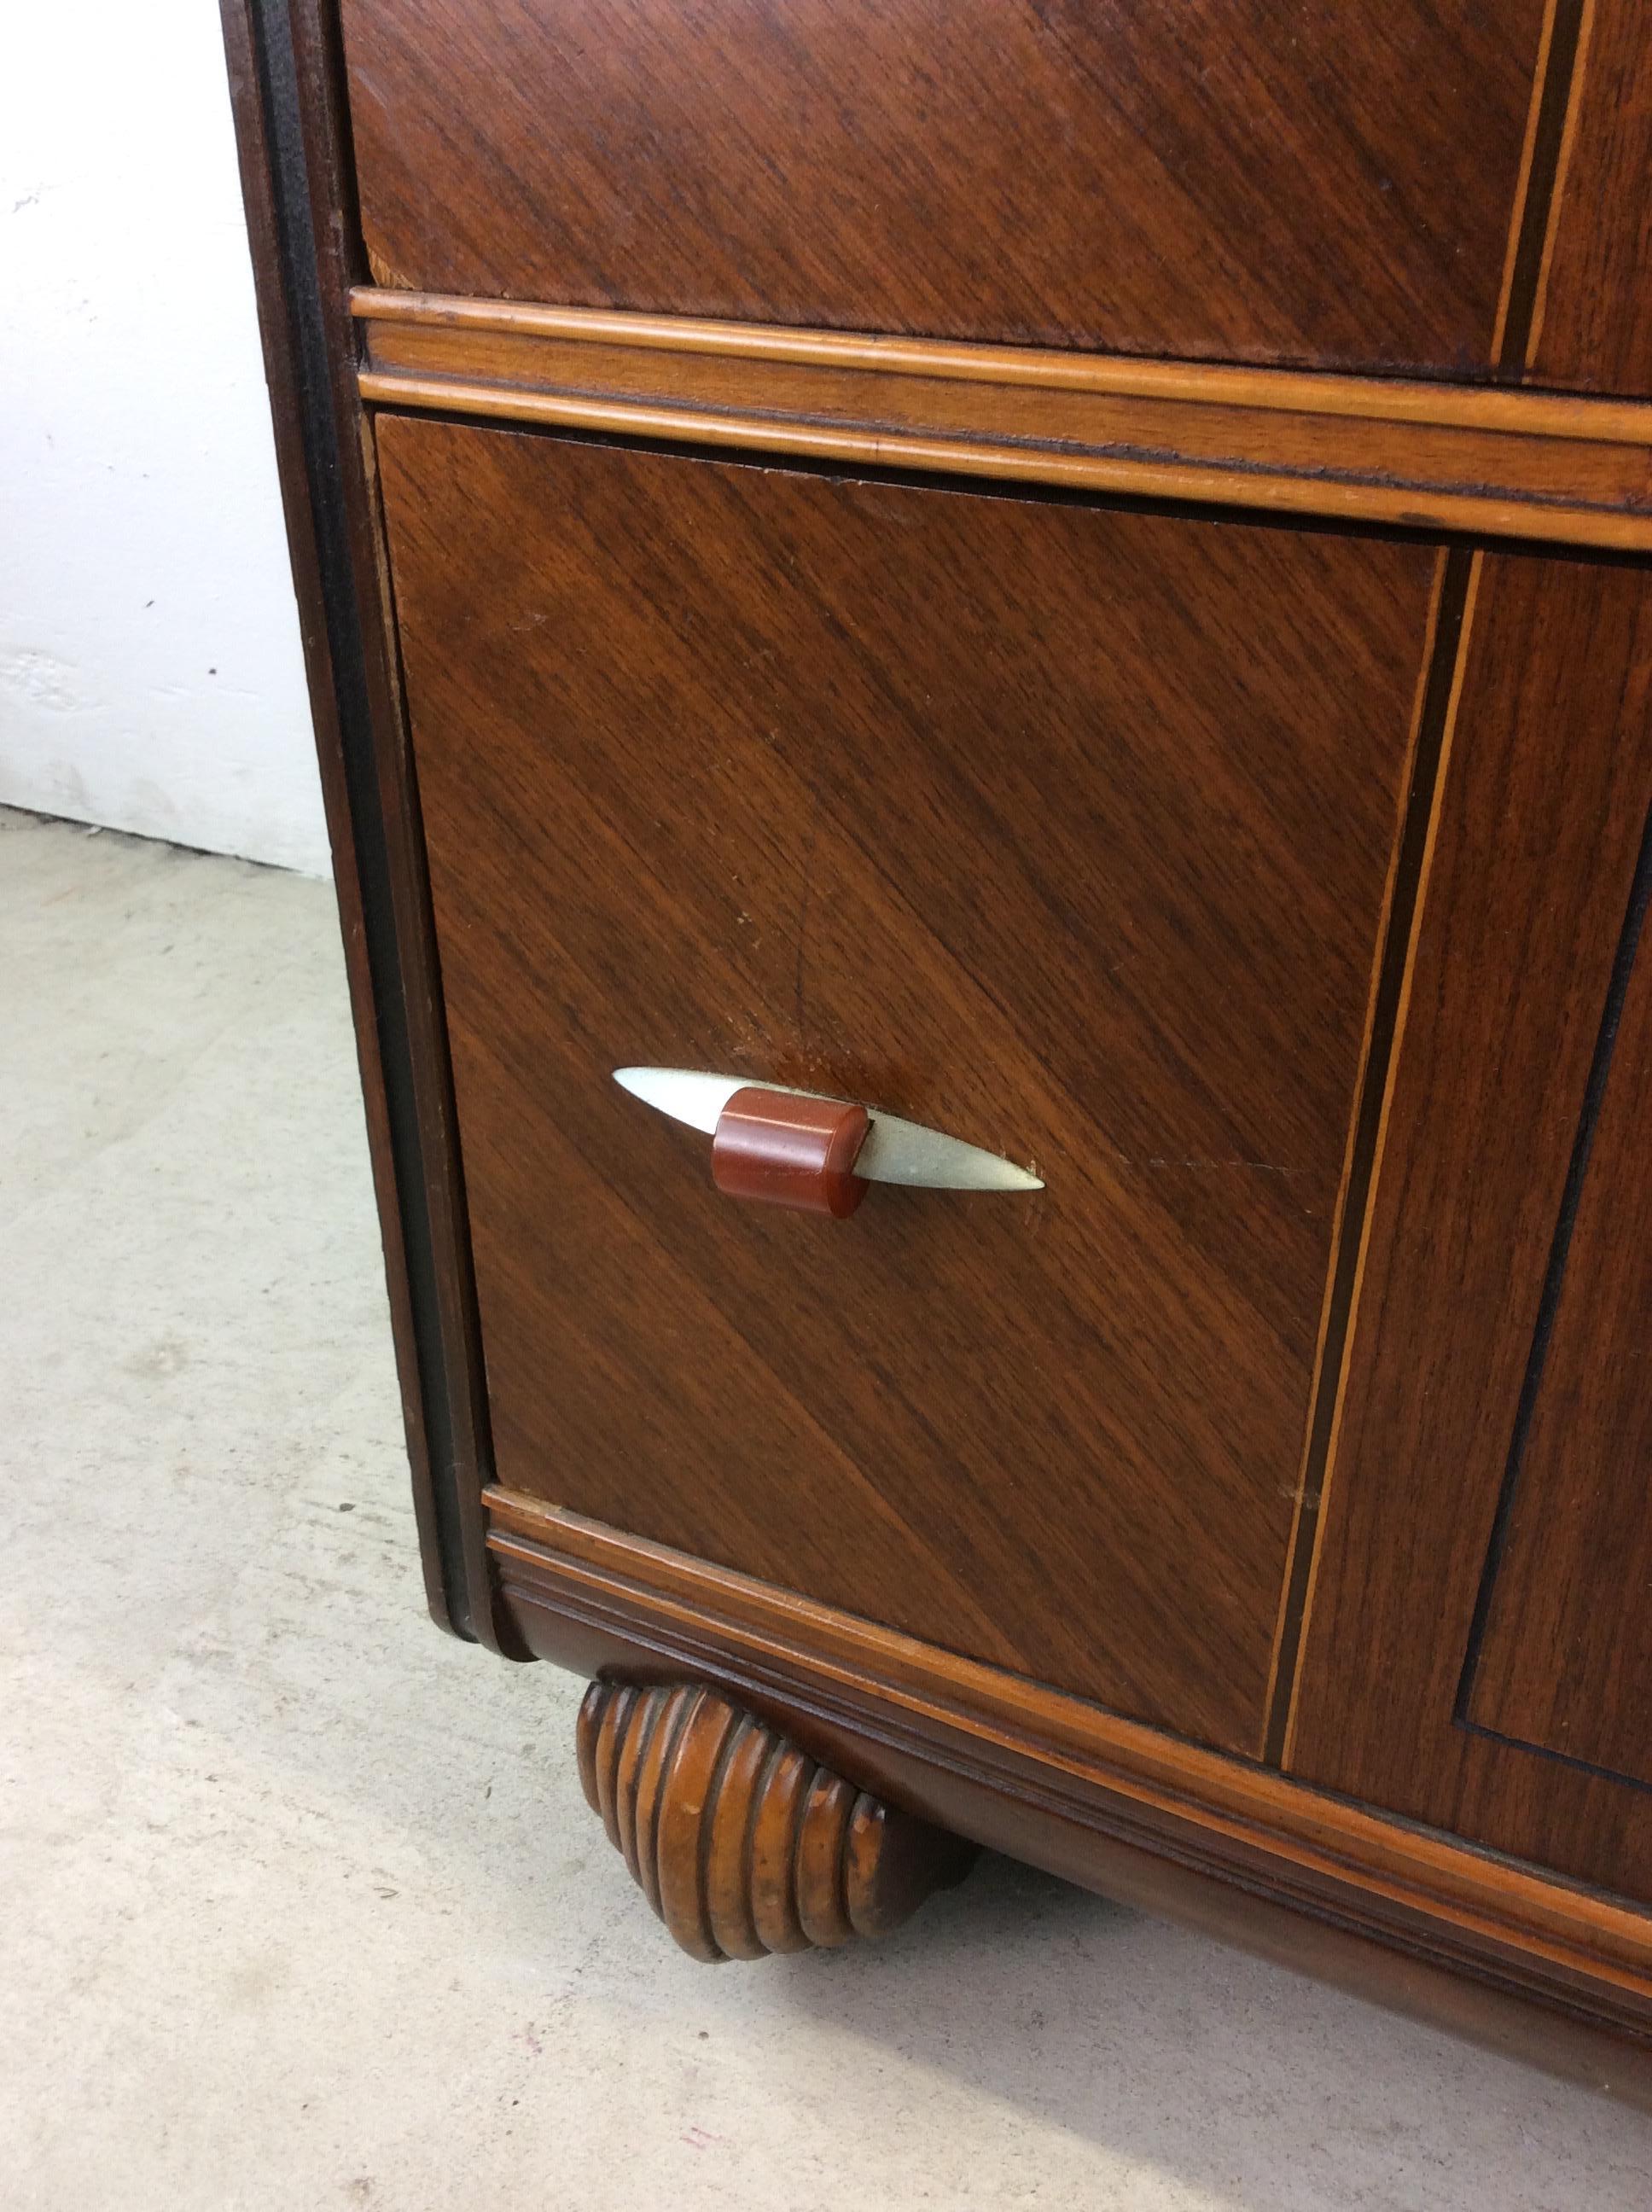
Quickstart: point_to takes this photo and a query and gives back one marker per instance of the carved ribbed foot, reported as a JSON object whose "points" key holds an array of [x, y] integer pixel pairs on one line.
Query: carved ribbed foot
{"points": [[740, 1841]]}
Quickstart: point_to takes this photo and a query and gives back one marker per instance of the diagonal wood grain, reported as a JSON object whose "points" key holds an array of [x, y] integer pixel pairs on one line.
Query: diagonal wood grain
{"points": [[1567, 1657], [1542, 810], [1220, 179], [1592, 324], [1064, 830]]}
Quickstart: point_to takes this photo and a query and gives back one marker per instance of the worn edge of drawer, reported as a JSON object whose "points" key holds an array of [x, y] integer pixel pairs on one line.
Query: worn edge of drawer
{"points": [[1052, 1761], [1495, 461]]}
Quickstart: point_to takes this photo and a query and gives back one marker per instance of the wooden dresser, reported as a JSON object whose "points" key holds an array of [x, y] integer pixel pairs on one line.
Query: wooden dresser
{"points": [[1070, 573]]}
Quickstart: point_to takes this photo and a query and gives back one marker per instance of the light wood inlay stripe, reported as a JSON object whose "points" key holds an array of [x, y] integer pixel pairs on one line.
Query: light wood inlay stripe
{"points": [[1194, 383], [561, 1558], [1497, 462]]}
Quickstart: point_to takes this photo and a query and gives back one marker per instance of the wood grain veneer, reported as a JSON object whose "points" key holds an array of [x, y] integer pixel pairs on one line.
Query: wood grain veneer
{"points": [[1089, 1794], [1593, 322], [1199, 181], [1448, 456], [1074, 829], [1065, 831], [1570, 1575], [1544, 801]]}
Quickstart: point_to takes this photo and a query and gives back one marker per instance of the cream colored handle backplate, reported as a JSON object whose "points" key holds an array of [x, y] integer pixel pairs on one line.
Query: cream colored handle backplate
{"points": [[895, 1151]]}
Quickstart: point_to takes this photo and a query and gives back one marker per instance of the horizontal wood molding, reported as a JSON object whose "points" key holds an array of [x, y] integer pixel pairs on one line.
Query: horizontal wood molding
{"points": [[1246, 1825], [1497, 462]]}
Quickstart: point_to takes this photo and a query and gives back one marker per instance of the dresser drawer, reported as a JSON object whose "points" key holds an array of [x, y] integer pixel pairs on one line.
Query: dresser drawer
{"points": [[1239, 179], [1063, 831], [1230, 1500]]}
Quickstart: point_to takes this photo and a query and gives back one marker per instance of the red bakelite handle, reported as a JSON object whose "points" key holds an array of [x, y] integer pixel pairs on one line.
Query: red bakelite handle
{"points": [[785, 1151]]}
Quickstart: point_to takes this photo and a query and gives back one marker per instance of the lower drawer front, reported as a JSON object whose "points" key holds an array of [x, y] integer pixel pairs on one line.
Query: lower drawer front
{"points": [[1064, 830]]}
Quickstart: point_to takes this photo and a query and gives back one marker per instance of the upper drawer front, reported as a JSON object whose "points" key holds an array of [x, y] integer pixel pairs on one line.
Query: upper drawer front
{"points": [[1061, 830], [1242, 180]]}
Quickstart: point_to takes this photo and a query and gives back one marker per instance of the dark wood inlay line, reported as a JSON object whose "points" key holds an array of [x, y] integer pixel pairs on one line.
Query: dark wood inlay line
{"points": [[1448, 642], [1184, 181], [283, 65], [1592, 324], [1557, 72], [1216, 383], [835, 731], [1522, 464], [1553, 1281], [1529, 880], [1062, 1748]]}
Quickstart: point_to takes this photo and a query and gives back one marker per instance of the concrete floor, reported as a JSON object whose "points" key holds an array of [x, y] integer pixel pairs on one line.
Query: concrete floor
{"points": [[303, 1907]]}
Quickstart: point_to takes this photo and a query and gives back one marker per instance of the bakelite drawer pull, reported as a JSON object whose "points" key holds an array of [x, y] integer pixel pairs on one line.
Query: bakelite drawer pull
{"points": [[800, 1148], [786, 1151]]}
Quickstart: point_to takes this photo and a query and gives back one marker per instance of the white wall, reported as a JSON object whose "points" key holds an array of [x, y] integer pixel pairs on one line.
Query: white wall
{"points": [[150, 676]]}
